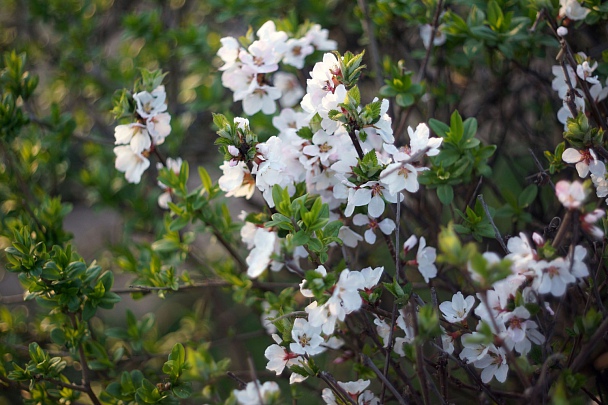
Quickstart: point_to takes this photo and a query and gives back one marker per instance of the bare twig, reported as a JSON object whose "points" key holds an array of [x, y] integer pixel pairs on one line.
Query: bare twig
{"points": [[368, 27], [496, 231], [336, 388], [369, 363], [583, 356], [427, 56], [540, 166]]}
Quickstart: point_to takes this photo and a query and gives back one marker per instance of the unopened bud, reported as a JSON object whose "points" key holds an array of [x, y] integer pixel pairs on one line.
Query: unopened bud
{"points": [[562, 31]]}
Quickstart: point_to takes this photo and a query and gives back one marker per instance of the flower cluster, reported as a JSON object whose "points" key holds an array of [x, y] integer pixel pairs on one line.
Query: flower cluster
{"points": [[568, 89], [137, 140], [504, 308], [246, 69], [313, 335], [318, 147]]}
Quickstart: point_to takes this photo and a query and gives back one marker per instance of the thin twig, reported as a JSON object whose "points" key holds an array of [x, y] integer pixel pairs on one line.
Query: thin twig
{"points": [[242, 384], [563, 229], [335, 387], [540, 167], [427, 56], [583, 356], [496, 231], [369, 363], [368, 28], [411, 312], [471, 373], [86, 379]]}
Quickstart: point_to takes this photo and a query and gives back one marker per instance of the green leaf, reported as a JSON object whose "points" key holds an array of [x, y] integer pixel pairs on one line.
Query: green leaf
{"points": [[456, 127], [439, 127], [332, 228], [495, 15], [300, 238], [182, 391], [355, 94], [305, 133], [205, 179], [179, 223], [445, 192], [527, 196]]}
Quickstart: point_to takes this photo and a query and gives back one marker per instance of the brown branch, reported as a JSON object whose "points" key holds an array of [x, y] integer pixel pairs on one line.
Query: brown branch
{"points": [[368, 28], [336, 388], [583, 356], [86, 380], [427, 56], [369, 363]]}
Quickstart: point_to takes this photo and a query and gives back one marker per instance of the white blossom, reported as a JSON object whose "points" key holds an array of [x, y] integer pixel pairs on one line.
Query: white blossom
{"points": [[457, 310]]}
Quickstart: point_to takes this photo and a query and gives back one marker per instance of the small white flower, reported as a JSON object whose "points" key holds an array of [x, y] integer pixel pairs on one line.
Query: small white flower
{"points": [[447, 341], [386, 226], [562, 31], [236, 181], [279, 358], [132, 164], [426, 260], [297, 51], [151, 104], [259, 258], [291, 91], [307, 338], [585, 70], [383, 329], [136, 135], [159, 127], [254, 391], [472, 350], [425, 34], [318, 38], [586, 161], [229, 52], [553, 277], [571, 195], [457, 310], [494, 365], [262, 98], [573, 9], [588, 220]]}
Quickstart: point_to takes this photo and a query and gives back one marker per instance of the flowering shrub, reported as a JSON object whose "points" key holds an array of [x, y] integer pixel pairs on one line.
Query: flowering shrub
{"points": [[377, 270]]}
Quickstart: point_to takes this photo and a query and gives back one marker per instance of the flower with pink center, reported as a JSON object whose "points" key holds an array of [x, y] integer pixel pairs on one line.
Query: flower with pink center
{"points": [[260, 57], [296, 52], [589, 219], [291, 91], [262, 98], [571, 195], [494, 365], [386, 226], [553, 277], [585, 161], [279, 358]]}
